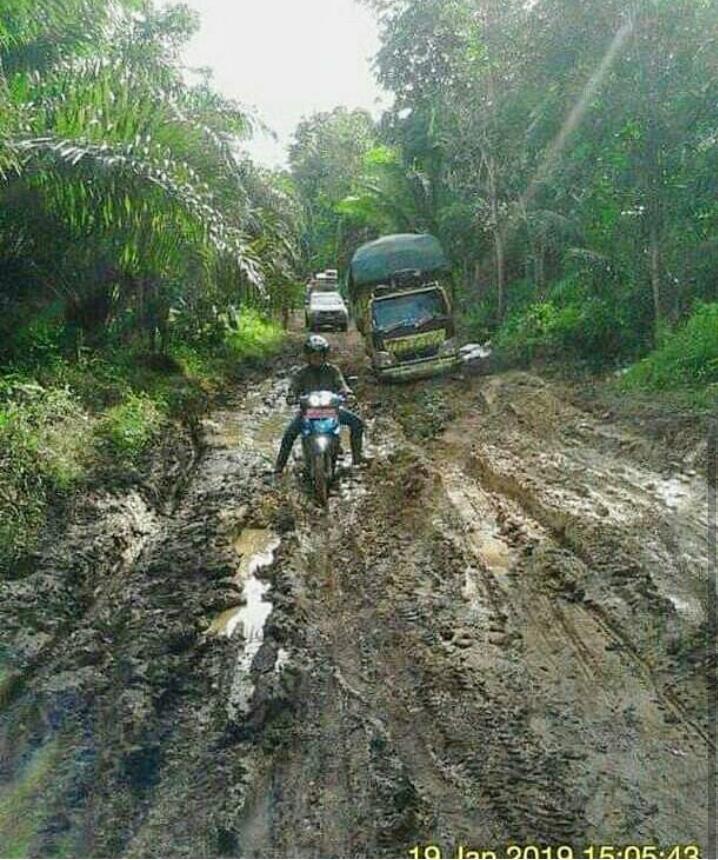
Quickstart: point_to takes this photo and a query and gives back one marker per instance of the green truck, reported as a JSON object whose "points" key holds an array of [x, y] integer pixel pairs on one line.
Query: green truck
{"points": [[400, 299]]}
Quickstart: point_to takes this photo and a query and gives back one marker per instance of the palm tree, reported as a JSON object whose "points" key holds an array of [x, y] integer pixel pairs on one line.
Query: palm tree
{"points": [[122, 179]]}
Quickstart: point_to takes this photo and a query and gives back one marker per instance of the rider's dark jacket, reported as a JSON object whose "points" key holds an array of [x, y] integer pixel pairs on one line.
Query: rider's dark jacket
{"points": [[326, 377]]}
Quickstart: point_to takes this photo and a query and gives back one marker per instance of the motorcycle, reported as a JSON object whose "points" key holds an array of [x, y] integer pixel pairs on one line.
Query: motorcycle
{"points": [[321, 439]]}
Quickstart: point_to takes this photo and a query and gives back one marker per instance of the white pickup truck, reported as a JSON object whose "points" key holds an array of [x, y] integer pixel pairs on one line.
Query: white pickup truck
{"points": [[326, 311]]}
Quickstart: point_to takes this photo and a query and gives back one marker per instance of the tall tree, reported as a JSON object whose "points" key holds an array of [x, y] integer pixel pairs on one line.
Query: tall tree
{"points": [[326, 156], [123, 186]]}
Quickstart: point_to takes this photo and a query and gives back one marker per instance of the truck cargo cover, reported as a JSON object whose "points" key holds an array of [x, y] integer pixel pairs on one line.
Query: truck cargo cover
{"points": [[376, 261]]}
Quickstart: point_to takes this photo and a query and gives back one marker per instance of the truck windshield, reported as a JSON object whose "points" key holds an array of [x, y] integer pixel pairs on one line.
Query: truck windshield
{"points": [[411, 309]]}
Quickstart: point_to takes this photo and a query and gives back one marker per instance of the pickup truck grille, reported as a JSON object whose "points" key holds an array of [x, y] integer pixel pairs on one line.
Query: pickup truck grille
{"points": [[329, 317], [416, 355]]}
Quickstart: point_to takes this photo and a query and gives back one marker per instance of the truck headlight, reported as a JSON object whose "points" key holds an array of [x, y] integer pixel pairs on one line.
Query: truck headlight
{"points": [[384, 359], [449, 347]]}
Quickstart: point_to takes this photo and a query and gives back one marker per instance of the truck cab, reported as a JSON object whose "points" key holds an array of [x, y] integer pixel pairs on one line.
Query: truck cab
{"points": [[399, 290]]}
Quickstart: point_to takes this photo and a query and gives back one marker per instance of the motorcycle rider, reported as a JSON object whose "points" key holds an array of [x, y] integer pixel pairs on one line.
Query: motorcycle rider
{"points": [[318, 375]]}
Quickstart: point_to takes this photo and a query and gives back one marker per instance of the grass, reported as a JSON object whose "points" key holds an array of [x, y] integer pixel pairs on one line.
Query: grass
{"points": [[255, 339], [685, 364], [129, 428], [61, 421], [44, 434], [580, 332]]}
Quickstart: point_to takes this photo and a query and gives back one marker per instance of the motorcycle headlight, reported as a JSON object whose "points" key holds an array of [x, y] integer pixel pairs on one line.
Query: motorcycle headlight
{"points": [[448, 347]]}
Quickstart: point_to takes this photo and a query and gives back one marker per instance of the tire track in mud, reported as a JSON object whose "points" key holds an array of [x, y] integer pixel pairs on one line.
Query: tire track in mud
{"points": [[113, 531], [470, 759], [559, 526], [440, 665], [669, 700], [537, 609], [418, 718]]}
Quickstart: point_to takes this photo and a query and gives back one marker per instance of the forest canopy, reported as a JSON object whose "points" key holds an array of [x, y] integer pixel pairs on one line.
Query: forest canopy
{"points": [[565, 152]]}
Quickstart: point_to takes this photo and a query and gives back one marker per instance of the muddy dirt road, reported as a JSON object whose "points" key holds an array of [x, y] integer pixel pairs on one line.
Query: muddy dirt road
{"points": [[500, 634]]}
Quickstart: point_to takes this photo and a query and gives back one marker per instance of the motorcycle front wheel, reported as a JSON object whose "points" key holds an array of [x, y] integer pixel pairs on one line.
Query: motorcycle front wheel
{"points": [[321, 477]]}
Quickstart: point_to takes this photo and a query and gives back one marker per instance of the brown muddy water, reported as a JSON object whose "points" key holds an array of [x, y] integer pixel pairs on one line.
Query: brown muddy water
{"points": [[503, 635]]}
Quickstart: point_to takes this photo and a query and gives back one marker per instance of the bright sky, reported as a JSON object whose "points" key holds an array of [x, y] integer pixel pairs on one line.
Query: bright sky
{"points": [[288, 58]]}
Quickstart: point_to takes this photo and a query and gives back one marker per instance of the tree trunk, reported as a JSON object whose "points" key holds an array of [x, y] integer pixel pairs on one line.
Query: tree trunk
{"points": [[140, 304], [655, 252], [496, 229], [541, 270], [500, 273]]}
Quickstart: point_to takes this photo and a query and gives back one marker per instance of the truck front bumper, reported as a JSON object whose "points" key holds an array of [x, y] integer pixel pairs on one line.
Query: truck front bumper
{"points": [[418, 369]]}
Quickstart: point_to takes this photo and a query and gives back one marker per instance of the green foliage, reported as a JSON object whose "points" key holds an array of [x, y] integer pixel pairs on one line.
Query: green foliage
{"points": [[570, 324], [41, 338], [326, 157], [388, 196], [255, 338], [63, 421], [128, 428], [686, 358], [554, 140], [252, 339], [44, 438], [129, 220], [123, 188], [476, 323]]}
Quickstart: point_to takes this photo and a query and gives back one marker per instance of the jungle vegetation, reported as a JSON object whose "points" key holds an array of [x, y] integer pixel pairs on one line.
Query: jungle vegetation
{"points": [[565, 152], [141, 250]]}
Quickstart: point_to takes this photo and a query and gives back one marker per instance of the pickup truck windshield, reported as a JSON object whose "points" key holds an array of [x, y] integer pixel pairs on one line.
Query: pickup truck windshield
{"points": [[327, 300], [411, 309]]}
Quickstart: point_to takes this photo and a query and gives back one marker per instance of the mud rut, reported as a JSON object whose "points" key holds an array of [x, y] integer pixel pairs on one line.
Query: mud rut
{"points": [[499, 636]]}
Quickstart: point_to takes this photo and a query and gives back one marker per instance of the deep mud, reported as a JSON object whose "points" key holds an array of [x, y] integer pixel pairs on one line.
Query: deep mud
{"points": [[501, 633]]}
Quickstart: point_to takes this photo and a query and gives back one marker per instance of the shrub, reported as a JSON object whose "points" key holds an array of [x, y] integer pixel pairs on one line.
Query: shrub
{"points": [[571, 324], [686, 358], [255, 337], [128, 428], [40, 339], [44, 436]]}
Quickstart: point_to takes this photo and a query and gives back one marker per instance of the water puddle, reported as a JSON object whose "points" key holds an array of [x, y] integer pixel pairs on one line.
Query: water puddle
{"points": [[491, 550], [469, 590], [257, 424], [481, 525], [687, 605], [268, 433], [256, 548], [250, 432], [282, 660], [673, 492]]}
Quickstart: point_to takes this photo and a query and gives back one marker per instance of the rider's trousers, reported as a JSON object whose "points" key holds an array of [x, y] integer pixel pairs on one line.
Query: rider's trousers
{"points": [[347, 418]]}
